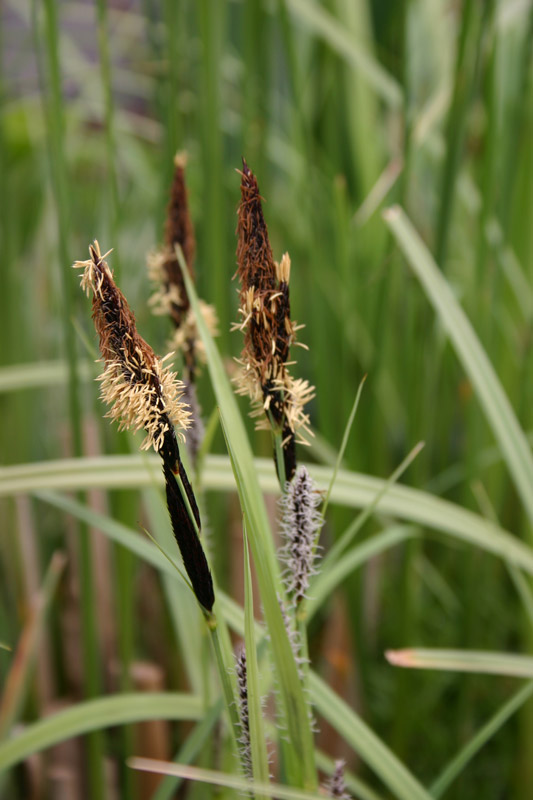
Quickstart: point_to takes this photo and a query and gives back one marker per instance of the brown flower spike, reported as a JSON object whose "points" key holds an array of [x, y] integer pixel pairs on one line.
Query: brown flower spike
{"points": [[144, 394], [268, 328], [170, 297]]}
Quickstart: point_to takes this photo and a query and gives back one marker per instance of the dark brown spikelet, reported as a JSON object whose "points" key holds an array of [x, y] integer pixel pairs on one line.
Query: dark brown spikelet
{"points": [[145, 394], [178, 231], [254, 253], [191, 550], [267, 326], [178, 226], [170, 297]]}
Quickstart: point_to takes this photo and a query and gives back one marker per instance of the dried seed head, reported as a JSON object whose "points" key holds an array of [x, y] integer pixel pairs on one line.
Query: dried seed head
{"points": [[337, 786], [143, 393], [300, 525], [242, 689], [267, 325]]}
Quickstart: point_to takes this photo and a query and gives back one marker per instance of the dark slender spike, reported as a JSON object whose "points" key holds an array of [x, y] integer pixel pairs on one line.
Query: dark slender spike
{"points": [[191, 550]]}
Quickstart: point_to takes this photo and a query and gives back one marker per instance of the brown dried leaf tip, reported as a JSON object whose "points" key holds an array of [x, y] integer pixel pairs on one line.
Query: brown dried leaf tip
{"points": [[268, 328], [142, 392], [170, 297]]}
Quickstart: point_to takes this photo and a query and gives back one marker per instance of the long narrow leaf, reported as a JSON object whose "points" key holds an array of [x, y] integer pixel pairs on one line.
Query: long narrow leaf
{"points": [[216, 778], [467, 753], [517, 666], [351, 489], [41, 374], [106, 712], [16, 681], [329, 579], [495, 403], [364, 741], [317, 19]]}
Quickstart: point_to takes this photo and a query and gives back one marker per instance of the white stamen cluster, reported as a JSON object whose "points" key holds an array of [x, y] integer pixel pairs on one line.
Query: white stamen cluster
{"points": [[337, 786], [152, 404], [242, 689], [300, 525]]}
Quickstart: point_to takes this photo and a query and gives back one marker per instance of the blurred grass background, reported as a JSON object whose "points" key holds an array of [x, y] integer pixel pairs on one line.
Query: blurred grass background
{"points": [[341, 107]]}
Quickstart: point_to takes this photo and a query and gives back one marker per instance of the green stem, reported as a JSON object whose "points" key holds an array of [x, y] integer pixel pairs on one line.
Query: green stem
{"points": [[105, 71]]}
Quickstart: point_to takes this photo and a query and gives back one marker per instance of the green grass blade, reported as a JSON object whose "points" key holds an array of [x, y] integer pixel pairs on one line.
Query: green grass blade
{"points": [[93, 715], [495, 403], [116, 531], [215, 778], [467, 753], [16, 682], [40, 374], [345, 540], [478, 661], [182, 604], [191, 749], [326, 27], [340, 456], [365, 743], [328, 579], [351, 489]]}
